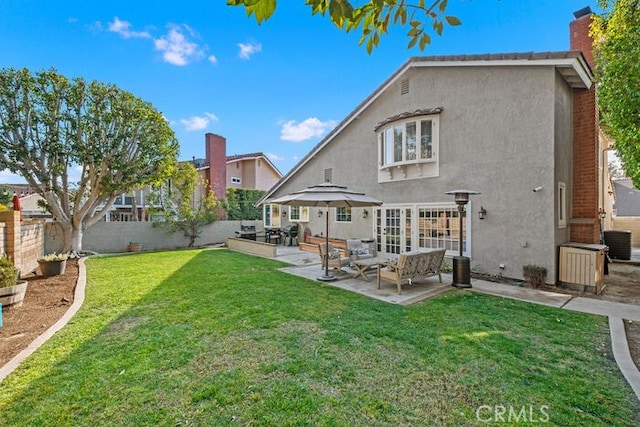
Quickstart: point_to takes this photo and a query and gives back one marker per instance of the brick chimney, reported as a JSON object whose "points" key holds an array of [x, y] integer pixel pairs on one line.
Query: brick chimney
{"points": [[585, 221], [216, 158]]}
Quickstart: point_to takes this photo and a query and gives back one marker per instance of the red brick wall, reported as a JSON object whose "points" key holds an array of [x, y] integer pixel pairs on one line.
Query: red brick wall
{"points": [[579, 37], [216, 156], [586, 152]]}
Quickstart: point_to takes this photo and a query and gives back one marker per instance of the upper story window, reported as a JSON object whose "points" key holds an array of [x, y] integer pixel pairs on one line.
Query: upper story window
{"points": [[299, 213], [408, 146]]}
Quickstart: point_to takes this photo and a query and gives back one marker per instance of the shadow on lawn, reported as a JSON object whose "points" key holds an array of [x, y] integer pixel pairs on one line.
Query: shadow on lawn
{"points": [[214, 337]]}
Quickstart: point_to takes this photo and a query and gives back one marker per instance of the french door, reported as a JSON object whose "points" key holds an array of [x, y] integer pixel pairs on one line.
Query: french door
{"points": [[401, 229], [393, 230]]}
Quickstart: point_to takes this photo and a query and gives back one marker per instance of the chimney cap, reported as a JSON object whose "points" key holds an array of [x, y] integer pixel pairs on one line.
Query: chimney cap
{"points": [[582, 12]]}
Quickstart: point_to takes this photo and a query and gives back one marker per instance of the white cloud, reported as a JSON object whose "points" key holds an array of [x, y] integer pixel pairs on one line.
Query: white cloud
{"points": [[274, 157], [176, 48], [198, 122], [307, 129], [123, 28], [213, 59], [246, 50]]}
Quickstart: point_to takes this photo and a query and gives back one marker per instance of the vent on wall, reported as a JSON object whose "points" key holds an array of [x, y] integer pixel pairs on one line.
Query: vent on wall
{"points": [[404, 87], [328, 175]]}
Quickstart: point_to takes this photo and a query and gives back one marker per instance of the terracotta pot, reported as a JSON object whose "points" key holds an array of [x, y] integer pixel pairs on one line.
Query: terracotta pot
{"points": [[52, 268], [12, 296], [134, 247]]}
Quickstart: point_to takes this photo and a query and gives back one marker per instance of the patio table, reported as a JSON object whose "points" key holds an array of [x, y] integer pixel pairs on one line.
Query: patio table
{"points": [[363, 265]]}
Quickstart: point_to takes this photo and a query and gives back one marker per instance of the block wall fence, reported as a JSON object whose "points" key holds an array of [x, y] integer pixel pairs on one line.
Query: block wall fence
{"points": [[21, 241]]}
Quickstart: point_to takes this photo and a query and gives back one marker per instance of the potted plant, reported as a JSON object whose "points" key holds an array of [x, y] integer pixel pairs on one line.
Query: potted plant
{"points": [[53, 264], [12, 290], [134, 247]]}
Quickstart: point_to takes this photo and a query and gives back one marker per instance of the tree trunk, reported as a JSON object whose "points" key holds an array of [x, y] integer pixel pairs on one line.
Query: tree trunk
{"points": [[76, 240], [192, 235], [72, 237], [134, 206]]}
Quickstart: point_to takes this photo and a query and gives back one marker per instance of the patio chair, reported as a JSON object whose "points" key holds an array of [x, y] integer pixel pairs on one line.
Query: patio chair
{"points": [[335, 259]]}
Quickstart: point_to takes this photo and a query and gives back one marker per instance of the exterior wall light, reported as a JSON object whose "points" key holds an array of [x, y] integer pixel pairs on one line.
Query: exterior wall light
{"points": [[319, 214], [482, 213], [365, 214]]}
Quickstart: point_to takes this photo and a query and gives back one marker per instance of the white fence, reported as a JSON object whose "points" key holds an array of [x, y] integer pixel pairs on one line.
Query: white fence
{"points": [[114, 237]]}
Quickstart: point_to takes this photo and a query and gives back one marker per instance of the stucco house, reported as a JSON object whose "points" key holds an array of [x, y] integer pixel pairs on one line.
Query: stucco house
{"points": [[249, 171], [520, 128], [626, 210]]}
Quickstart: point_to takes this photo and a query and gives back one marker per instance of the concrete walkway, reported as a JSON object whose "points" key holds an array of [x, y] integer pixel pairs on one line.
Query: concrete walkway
{"points": [[305, 264]]}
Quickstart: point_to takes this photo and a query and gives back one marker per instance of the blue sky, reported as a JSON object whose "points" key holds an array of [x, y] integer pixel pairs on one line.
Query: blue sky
{"points": [[278, 87]]}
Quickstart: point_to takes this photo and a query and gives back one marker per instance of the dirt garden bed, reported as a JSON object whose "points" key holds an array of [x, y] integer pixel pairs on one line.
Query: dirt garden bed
{"points": [[46, 301]]}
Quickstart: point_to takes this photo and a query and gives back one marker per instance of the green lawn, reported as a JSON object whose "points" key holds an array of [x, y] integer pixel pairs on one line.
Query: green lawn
{"points": [[213, 337]]}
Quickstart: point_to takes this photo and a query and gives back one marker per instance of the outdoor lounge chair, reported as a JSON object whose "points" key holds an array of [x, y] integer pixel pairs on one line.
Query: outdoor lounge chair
{"points": [[335, 258]]}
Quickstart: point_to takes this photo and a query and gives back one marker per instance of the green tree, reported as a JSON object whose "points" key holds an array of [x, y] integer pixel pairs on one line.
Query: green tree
{"points": [[5, 195], [373, 17], [186, 204], [617, 52], [240, 203], [50, 125]]}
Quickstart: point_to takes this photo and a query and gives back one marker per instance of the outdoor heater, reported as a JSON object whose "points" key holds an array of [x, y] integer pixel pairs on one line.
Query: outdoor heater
{"points": [[461, 264]]}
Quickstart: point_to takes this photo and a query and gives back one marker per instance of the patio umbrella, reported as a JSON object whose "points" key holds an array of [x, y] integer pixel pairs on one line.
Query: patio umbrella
{"points": [[328, 195], [16, 204]]}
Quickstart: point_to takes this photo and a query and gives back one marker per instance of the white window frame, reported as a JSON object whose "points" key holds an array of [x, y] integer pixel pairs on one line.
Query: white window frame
{"points": [[299, 214], [401, 157], [345, 216], [562, 205], [445, 228], [398, 131], [271, 215]]}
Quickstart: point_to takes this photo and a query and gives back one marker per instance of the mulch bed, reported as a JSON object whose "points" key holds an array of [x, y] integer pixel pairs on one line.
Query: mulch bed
{"points": [[46, 301]]}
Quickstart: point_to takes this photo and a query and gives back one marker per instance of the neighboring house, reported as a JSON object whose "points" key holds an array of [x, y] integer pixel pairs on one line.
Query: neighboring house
{"points": [[29, 201], [130, 207], [520, 128], [31, 206], [626, 209], [627, 200], [251, 171]]}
